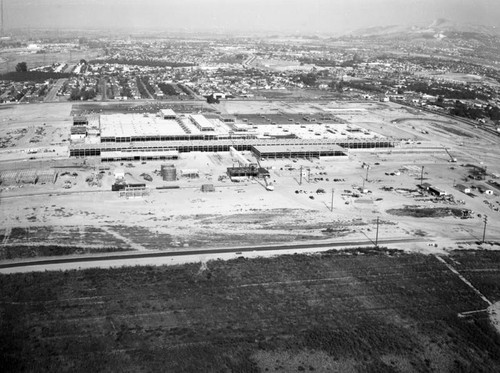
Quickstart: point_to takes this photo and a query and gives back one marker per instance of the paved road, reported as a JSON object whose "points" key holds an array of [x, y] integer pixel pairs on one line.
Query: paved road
{"points": [[103, 87], [145, 89], [155, 258], [51, 95]]}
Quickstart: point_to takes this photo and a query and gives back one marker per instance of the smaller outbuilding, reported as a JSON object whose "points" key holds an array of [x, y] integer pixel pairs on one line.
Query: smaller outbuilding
{"points": [[80, 121], [247, 172], [463, 188], [437, 191], [206, 188], [425, 186], [190, 173], [168, 114], [119, 174]]}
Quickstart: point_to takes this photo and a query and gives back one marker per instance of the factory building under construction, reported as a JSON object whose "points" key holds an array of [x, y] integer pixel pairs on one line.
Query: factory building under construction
{"points": [[162, 136]]}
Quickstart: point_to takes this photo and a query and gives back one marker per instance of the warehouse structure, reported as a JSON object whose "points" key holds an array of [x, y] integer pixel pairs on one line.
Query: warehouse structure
{"points": [[89, 150], [202, 123], [162, 136], [80, 121], [299, 151], [28, 176], [250, 171], [168, 114], [139, 155], [140, 127]]}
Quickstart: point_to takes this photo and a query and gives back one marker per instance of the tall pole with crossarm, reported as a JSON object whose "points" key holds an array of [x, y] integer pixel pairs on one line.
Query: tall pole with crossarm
{"points": [[484, 229], [331, 207]]}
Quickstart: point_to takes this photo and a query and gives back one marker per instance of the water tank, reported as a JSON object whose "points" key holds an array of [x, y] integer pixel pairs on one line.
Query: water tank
{"points": [[168, 172]]}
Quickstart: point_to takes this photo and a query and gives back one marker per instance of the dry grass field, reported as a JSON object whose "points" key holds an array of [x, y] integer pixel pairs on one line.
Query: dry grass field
{"points": [[351, 311]]}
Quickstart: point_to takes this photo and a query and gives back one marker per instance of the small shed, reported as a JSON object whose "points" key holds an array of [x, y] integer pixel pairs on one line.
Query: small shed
{"points": [[437, 191], [119, 174], [463, 188], [425, 186], [190, 173], [205, 188]]}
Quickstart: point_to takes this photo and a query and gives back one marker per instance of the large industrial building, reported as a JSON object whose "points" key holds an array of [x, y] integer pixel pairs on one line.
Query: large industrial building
{"points": [[128, 137], [299, 151]]}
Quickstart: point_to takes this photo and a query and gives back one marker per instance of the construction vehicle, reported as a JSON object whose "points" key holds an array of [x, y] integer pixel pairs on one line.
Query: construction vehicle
{"points": [[269, 185]]}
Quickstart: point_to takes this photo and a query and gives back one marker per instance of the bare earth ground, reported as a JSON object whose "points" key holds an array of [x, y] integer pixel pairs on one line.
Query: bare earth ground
{"points": [[245, 213]]}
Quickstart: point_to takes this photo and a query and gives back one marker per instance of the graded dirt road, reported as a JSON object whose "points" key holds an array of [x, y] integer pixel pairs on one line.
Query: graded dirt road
{"points": [[186, 256]]}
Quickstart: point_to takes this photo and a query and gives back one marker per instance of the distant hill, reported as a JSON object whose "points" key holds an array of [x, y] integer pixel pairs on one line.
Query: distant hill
{"points": [[438, 29]]}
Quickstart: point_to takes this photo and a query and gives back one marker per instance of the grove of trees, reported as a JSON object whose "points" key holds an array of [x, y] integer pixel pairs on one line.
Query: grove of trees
{"points": [[21, 67]]}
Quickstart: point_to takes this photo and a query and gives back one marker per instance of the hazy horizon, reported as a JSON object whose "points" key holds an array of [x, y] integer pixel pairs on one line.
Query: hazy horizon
{"points": [[313, 16]]}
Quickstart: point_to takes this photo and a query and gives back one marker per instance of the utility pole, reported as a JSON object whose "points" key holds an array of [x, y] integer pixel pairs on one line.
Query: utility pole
{"points": [[300, 182], [376, 237], [333, 191], [484, 229], [422, 176], [367, 168]]}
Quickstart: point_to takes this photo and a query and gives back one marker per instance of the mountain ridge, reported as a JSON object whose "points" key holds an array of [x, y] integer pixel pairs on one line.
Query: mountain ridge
{"points": [[438, 28]]}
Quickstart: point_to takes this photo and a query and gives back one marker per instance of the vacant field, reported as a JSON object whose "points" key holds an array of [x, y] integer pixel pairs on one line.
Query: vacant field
{"points": [[12, 58], [36, 241], [365, 311], [31, 251]]}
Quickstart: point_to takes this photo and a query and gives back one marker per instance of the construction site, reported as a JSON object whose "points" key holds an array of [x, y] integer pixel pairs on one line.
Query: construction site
{"points": [[252, 173]]}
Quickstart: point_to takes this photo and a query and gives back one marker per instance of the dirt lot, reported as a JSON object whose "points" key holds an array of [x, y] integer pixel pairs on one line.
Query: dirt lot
{"points": [[334, 312], [44, 129]]}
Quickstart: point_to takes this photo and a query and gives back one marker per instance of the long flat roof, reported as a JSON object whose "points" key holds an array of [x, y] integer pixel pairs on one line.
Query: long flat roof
{"points": [[168, 112], [228, 142], [158, 153], [202, 121], [299, 148], [138, 125]]}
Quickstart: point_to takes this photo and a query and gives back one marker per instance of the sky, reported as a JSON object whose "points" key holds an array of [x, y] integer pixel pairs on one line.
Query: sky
{"points": [[297, 16]]}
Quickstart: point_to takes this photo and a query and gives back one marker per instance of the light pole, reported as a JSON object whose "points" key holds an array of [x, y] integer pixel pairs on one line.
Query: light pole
{"points": [[333, 191], [422, 176], [484, 229], [376, 236]]}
